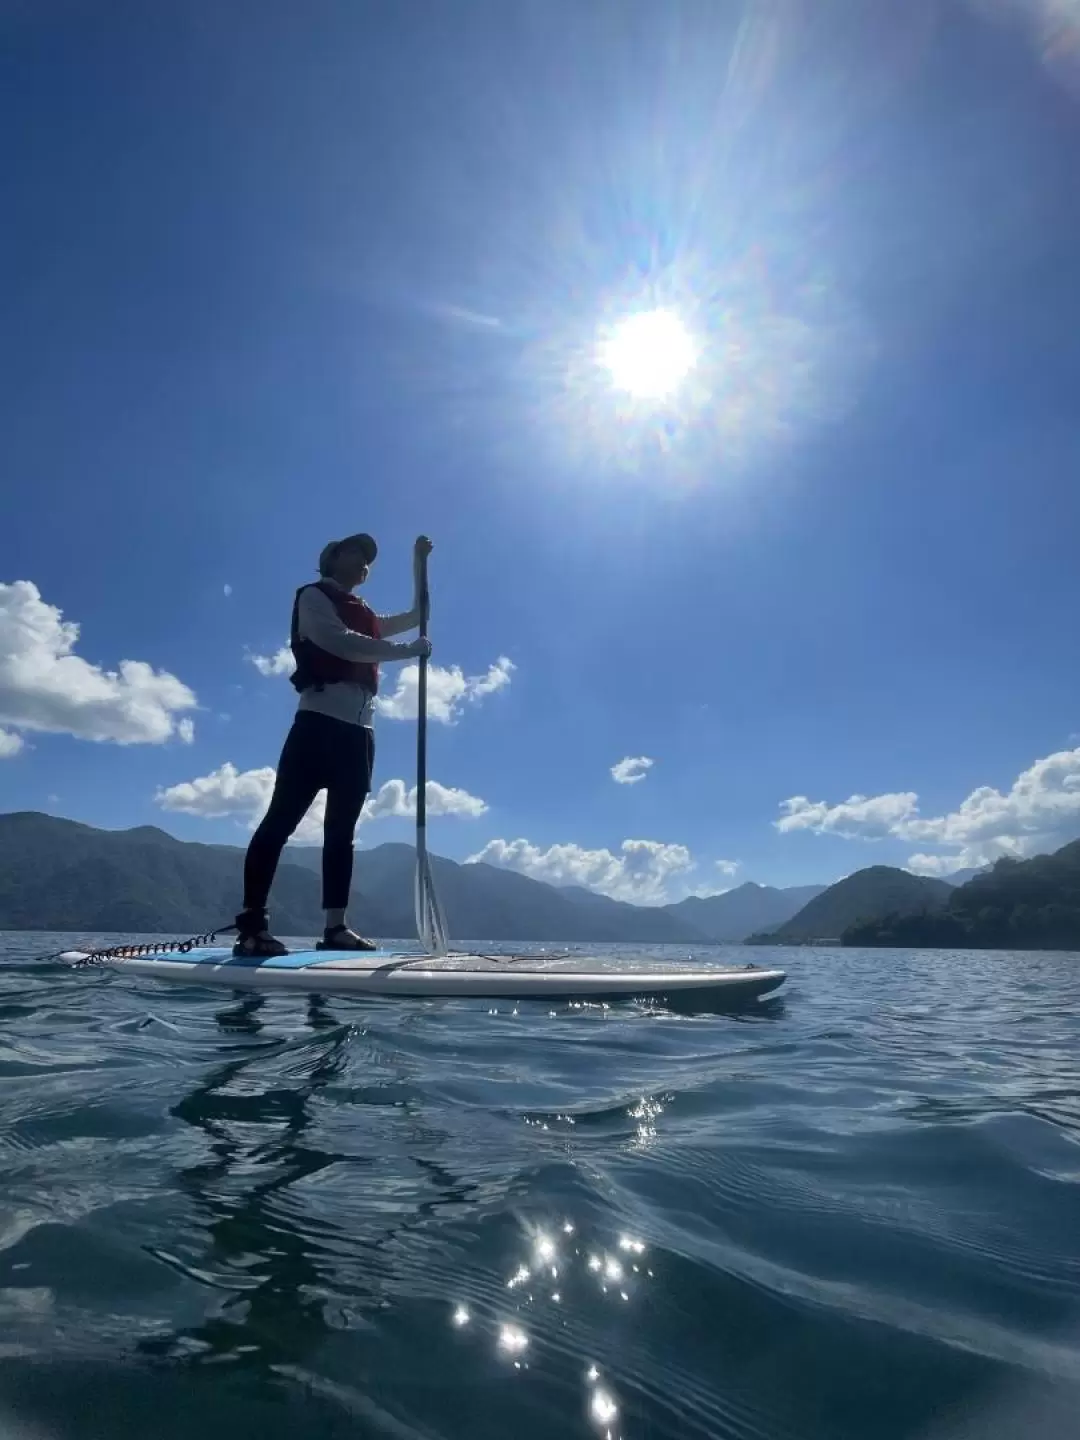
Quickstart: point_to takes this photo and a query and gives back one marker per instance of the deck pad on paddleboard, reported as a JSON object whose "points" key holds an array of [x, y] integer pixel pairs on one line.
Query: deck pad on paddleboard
{"points": [[406, 973]]}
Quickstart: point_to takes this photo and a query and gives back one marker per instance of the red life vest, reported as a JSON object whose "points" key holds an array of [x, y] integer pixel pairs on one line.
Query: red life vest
{"points": [[316, 667]]}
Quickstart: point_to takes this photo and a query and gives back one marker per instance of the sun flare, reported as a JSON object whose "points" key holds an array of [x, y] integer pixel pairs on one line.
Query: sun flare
{"points": [[649, 354]]}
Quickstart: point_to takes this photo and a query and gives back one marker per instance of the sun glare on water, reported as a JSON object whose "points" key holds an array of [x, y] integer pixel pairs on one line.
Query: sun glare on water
{"points": [[649, 354]]}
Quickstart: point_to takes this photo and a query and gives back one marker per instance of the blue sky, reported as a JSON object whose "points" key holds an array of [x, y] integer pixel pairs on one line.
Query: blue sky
{"points": [[273, 273]]}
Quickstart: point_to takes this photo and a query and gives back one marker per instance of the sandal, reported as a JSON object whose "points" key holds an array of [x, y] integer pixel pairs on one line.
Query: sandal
{"points": [[253, 939], [340, 937]]}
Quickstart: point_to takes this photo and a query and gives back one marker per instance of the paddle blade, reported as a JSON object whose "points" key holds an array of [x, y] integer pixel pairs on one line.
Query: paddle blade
{"points": [[430, 924]]}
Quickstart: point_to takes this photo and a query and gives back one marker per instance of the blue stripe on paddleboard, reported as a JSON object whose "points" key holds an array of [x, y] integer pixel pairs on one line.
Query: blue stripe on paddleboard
{"points": [[298, 960]]}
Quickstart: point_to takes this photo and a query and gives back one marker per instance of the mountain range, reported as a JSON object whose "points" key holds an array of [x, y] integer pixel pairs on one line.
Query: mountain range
{"points": [[57, 874], [878, 890], [731, 917], [1015, 905]]}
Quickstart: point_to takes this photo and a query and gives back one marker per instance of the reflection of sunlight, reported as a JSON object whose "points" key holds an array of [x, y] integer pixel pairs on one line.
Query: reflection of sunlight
{"points": [[602, 1408], [512, 1339], [649, 354], [645, 1113], [545, 1248], [607, 1266]]}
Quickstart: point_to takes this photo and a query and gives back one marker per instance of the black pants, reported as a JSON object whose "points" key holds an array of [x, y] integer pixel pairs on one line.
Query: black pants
{"points": [[320, 753]]}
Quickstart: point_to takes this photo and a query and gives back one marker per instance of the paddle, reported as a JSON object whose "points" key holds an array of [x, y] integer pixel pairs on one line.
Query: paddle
{"points": [[430, 925]]}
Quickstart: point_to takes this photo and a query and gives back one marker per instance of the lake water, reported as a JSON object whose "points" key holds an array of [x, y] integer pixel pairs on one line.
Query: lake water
{"points": [[852, 1213]]}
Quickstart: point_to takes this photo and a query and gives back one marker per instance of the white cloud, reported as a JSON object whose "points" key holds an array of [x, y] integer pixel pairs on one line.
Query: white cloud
{"points": [[465, 316], [939, 866], [1040, 811], [280, 663], [45, 686], [225, 791], [497, 678], [185, 729], [10, 744], [631, 769], [394, 799], [449, 690], [227, 590], [639, 872], [707, 891], [858, 817], [244, 795]]}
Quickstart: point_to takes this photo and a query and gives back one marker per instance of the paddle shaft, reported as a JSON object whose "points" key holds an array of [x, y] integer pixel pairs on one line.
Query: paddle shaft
{"points": [[430, 925], [421, 718]]}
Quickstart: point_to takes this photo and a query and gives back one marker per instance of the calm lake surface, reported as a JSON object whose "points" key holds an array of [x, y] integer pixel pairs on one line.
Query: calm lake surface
{"points": [[852, 1212]]}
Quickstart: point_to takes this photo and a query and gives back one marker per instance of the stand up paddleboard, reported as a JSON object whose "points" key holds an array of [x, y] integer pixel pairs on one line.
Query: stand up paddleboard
{"points": [[404, 974], [441, 972]]}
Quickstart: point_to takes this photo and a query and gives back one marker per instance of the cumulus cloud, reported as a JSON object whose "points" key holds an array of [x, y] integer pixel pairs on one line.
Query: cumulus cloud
{"points": [[45, 686], [631, 768], [279, 663], [938, 866], [10, 744], [449, 691], [640, 871], [225, 791], [708, 890], [497, 678], [859, 817], [1040, 811], [243, 795], [395, 799]]}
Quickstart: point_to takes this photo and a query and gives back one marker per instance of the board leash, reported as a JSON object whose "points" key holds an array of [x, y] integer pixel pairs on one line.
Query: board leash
{"points": [[136, 952]]}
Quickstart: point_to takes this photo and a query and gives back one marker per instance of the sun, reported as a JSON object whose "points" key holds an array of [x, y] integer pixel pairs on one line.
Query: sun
{"points": [[649, 354]]}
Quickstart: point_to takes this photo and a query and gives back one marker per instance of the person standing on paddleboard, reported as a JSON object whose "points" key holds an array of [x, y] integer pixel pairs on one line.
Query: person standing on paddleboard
{"points": [[338, 643]]}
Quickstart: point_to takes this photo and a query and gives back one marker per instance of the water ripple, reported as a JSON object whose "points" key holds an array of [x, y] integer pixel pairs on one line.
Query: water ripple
{"points": [[848, 1213]]}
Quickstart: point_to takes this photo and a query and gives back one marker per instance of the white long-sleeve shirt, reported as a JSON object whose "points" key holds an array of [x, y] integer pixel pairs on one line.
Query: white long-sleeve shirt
{"points": [[318, 621]]}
